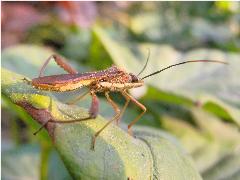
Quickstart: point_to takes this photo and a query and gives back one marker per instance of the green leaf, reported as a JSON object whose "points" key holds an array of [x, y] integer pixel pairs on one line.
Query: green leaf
{"points": [[167, 166], [210, 144], [223, 146], [116, 155], [28, 59], [23, 163], [227, 167]]}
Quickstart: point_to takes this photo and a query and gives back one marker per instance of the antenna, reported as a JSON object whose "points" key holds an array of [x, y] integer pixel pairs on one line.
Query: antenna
{"points": [[213, 61], [145, 63]]}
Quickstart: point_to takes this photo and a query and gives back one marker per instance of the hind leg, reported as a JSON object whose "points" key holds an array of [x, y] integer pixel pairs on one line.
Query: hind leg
{"points": [[93, 111], [61, 62]]}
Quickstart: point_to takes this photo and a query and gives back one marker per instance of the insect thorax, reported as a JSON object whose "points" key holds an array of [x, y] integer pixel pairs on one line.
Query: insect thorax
{"points": [[121, 81]]}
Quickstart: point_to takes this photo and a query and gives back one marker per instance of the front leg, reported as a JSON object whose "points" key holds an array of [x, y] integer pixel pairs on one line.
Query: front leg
{"points": [[128, 96], [123, 110], [116, 116]]}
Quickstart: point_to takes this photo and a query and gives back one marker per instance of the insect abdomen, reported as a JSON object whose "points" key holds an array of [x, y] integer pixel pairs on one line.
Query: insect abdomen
{"points": [[67, 86]]}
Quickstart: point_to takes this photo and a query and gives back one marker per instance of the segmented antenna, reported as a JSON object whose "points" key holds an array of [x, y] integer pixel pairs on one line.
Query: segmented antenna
{"points": [[214, 61], [145, 63]]}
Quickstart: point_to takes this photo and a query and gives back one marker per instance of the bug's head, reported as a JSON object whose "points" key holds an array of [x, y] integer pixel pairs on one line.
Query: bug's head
{"points": [[134, 78]]}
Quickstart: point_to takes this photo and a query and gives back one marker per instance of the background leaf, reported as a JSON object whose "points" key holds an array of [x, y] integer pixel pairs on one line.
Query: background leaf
{"points": [[28, 158]]}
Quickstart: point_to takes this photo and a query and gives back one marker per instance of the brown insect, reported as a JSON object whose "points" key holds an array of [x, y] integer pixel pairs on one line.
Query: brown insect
{"points": [[112, 79]]}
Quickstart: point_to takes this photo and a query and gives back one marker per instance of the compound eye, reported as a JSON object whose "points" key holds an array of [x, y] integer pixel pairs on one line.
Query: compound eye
{"points": [[134, 78]]}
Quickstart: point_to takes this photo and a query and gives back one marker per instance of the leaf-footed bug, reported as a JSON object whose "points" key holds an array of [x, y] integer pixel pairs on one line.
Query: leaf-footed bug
{"points": [[112, 79]]}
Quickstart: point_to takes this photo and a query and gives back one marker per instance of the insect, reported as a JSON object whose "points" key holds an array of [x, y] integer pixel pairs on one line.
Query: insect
{"points": [[113, 79]]}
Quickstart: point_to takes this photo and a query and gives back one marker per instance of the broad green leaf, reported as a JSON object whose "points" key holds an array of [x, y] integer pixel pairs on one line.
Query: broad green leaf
{"points": [[23, 162], [189, 136], [210, 144], [161, 144], [154, 94], [28, 59], [215, 128], [98, 57], [116, 155], [227, 168], [224, 108]]}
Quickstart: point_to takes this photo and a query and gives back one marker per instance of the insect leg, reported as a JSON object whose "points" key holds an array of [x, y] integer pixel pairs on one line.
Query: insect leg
{"points": [[123, 109], [78, 98], [126, 95], [62, 63], [94, 109], [61, 122], [92, 114], [117, 115]]}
